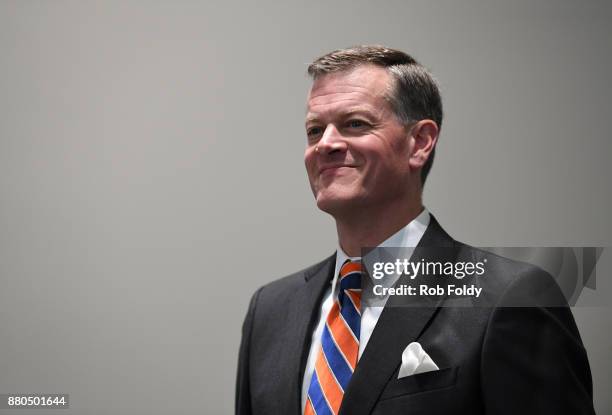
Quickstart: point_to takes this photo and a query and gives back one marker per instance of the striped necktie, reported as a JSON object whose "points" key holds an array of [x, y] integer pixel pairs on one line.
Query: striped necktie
{"points": [[337, 357]]}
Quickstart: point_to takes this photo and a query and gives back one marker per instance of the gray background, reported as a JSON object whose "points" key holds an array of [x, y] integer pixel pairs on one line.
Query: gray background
{"points": [[151, 172]]}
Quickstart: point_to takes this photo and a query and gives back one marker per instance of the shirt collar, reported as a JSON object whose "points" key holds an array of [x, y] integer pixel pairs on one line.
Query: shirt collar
{"points": [[408, 236]]}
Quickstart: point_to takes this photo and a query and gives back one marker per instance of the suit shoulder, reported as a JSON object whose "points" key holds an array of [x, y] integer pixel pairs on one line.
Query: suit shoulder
{"points": [[517, 268], [290, 282], [513, 279]]}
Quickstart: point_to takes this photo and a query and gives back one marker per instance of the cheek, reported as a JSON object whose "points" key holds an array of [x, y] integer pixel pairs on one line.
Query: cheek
{"points": [[384, 167], [307, 156], [309, 163]]}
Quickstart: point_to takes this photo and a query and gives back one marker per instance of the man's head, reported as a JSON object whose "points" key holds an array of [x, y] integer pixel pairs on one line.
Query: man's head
{"points": [[372, 123]]}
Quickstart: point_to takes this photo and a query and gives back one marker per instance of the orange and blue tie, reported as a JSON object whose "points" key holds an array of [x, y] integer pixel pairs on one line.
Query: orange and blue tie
{"points": [[339, 348]]}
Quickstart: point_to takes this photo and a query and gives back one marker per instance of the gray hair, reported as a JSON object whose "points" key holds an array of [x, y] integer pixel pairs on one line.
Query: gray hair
{"points": [[414, 96]]}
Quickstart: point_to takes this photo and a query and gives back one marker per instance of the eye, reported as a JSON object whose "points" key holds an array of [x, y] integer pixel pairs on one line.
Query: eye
{"points": [[356, 124], [313, 132]]}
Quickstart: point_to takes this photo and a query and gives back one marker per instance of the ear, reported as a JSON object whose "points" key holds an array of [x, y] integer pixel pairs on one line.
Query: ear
{"points": [[424, 136]]}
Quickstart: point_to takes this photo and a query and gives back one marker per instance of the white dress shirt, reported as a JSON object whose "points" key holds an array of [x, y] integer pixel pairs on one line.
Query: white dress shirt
{"points": [[408, 236]]}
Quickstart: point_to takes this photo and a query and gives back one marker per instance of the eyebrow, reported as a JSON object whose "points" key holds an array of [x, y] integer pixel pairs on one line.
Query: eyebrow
{"points": [[366, 111]]}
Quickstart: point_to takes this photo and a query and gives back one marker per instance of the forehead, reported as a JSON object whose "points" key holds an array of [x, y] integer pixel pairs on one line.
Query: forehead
{"points": [[363, 86]]}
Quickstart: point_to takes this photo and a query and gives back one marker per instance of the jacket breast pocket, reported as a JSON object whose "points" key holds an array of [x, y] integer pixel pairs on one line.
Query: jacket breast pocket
{"points": [[421, 382]]}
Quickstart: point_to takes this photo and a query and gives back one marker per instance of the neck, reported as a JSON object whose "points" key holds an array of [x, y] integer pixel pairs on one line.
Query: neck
{"points": [[370, 227]]}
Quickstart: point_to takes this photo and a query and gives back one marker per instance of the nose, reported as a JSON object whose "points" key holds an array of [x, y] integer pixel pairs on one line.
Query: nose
{"points": [[331, 141]]}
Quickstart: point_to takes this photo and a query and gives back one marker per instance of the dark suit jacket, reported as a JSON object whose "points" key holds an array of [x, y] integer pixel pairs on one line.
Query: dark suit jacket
{"points": [[492, 360]]}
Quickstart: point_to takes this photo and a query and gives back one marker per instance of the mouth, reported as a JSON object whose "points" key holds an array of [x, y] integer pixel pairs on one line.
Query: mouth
{"points": [[328, 170]]}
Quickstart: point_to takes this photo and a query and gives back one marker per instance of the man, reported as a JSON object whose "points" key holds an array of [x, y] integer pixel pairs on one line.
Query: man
{"points": [[309, 345]]}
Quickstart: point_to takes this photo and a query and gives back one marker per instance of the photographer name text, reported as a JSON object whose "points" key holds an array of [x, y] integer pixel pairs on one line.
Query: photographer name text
{"points": [[427, 290]]}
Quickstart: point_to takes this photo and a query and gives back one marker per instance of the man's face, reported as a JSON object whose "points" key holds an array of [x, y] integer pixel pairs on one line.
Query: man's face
{"points": [[357, 151]]}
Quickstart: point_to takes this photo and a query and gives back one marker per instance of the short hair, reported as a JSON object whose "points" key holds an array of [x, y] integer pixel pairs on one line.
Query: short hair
{"points": [[415, 94]]}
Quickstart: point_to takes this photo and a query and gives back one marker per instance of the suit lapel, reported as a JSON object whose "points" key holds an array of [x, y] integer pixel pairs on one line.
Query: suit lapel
{"points": [[396, 328], [303, 315]]}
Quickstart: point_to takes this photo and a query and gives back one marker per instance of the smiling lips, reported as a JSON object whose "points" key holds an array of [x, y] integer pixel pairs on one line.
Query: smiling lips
{"points": [[332, 168]]}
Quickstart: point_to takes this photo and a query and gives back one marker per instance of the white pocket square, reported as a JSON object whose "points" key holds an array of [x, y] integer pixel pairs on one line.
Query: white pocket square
{"points": [[415, 360]]}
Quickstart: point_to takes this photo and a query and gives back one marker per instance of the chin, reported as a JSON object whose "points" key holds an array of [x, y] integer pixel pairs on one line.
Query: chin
{"points": [[336, 203]]}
